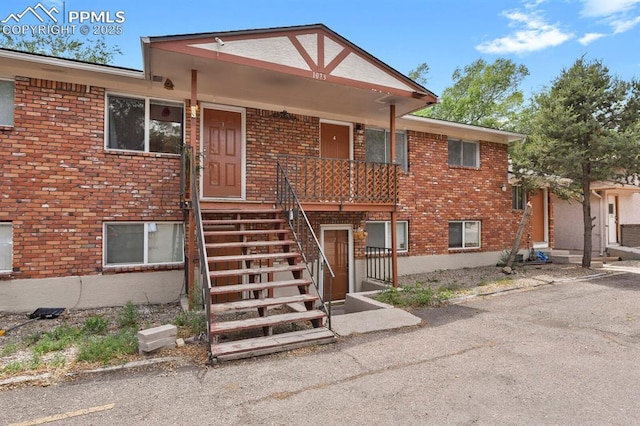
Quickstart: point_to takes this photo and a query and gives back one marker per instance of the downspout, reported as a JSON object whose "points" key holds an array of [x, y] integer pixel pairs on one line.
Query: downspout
{"points": [[394, 219], [193, 141]]}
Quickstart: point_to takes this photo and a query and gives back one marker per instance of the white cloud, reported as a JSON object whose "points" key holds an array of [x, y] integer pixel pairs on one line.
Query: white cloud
{"points": [[536, 34], [622, 25], [589, 38], [620, 15], [607, 8]]}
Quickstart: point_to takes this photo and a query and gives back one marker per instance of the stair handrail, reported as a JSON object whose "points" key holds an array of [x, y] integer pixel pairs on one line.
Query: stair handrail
{"points": [[299, 223], [205, 278]]}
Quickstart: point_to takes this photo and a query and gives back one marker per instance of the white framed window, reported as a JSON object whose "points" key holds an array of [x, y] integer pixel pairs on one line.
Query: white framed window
{"points": [[464, 153], [518, 198], [143, 243], [464, 234], [379, 234], [378, 147], [144, 124], [6, 246], [7, 102]]}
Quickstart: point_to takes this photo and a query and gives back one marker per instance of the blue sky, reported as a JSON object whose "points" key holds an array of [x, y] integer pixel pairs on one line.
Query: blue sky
{"points": [[544, 35]]}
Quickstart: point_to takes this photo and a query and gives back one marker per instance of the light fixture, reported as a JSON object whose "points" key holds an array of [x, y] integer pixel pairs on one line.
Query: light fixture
{"points": [[359, 128], [503, 187], [168, 84], [219, 41]]}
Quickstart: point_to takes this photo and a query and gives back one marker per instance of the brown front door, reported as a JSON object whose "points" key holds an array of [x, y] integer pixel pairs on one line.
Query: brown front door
{"points": [[336, 248], [334, 141], [222, 154], [537, 217]]}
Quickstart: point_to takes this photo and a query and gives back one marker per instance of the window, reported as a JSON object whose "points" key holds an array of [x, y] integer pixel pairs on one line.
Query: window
{"points": [[148, 243], [6, 247], [464, 234], [149, 125], [379, 234], [463, 153], [518, 198], [378, 147], [7, 95]]}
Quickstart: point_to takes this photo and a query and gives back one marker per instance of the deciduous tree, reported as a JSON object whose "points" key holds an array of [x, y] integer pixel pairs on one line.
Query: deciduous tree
{"points": [[483, 94], [63, 46]]}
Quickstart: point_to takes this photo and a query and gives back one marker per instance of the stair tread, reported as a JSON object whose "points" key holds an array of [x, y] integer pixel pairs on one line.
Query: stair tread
{"points": [[249, 244], [235, 288], [256, 256], [255, 271], [238, 325], [269, 344], [247, 232], [241, 211], [261, 303], [208, 222]]}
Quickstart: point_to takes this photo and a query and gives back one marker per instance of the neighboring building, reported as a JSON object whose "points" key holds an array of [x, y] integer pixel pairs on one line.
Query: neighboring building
{"points": [[95, 201], [616, 212]]}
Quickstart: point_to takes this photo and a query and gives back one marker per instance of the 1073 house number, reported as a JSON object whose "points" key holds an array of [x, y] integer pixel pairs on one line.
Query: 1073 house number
{"points": [[319, 75]]}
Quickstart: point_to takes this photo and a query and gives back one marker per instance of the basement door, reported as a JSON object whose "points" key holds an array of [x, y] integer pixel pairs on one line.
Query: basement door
{"points": [[337, 249], [222, 154]]}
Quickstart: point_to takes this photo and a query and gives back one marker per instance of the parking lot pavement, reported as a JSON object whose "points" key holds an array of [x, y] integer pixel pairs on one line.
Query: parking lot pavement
{"points": [[562, 354]]}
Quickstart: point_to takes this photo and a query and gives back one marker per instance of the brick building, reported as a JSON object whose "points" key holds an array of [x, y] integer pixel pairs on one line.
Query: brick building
{"points": [[97, 205]]}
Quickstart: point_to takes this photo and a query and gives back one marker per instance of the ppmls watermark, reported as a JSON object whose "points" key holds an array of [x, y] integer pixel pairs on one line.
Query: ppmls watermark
{"points": [[66, 22]]}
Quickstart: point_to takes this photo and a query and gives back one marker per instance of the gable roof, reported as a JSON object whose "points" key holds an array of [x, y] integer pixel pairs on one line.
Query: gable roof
{"points": [[299, 67]]}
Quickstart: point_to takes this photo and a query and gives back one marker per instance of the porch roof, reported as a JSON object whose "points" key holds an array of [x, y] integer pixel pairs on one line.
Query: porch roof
{"points": [[301, 69]]}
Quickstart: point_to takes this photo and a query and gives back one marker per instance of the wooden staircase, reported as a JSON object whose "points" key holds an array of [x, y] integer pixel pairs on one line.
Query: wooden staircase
{"points": [[260, 300]]}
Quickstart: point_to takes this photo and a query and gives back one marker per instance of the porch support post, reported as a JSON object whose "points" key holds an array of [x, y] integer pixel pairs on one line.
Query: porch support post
{"points": [[191, 232], [394, 220]]}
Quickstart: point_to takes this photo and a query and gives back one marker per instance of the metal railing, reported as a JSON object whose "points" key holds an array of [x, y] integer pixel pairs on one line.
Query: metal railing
{"points": [[340, 181], [203, 270], [312, 254], [378, 264]]}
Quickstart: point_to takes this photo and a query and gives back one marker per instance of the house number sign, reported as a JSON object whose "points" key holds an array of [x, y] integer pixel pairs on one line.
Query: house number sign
{"points": [[319, 75]]}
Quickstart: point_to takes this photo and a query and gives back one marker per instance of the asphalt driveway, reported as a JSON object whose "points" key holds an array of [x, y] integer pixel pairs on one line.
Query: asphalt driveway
{"points": [[562, 354]]}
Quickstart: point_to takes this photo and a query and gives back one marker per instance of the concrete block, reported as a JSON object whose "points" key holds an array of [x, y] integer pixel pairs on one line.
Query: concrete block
{"points": [[180, 342], [155, 333], [157, 337], [156, 344]]}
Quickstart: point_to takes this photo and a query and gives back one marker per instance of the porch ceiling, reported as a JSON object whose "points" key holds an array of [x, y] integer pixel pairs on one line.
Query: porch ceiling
{"points": [[243, 85]]}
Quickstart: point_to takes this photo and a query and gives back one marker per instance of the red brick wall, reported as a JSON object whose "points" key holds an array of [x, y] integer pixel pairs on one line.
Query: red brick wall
{"points": [[432, 193], [58, 183], [269, 136]]}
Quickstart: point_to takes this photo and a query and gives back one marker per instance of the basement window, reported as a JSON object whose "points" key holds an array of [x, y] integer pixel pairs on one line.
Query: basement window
{"points": [[144, 124], [143, 243], [7, 102], [6, 247], [379, 234], [464, 234]]}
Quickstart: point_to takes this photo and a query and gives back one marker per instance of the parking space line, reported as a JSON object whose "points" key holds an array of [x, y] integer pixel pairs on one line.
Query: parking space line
{"points": [[66, 415]]}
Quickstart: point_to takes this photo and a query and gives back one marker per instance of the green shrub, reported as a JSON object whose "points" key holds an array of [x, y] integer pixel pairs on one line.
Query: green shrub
{"points": [[58, 339], [128, 316], [96, 324], [194, 321], [107, 348]]}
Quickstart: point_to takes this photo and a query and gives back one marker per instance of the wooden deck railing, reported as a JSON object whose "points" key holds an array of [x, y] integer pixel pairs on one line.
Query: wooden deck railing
{"points": [[334, 180]]}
